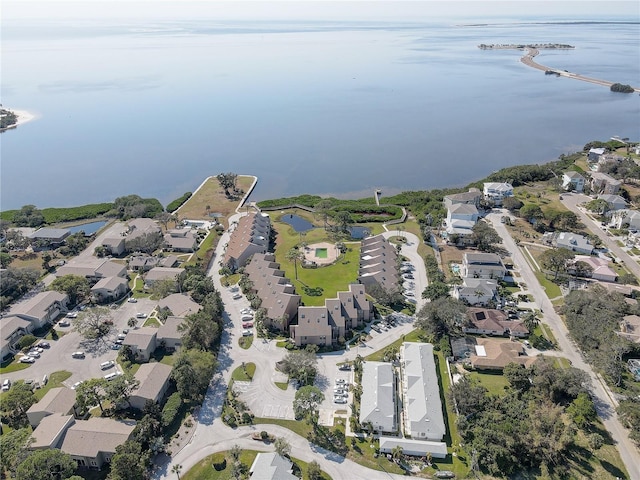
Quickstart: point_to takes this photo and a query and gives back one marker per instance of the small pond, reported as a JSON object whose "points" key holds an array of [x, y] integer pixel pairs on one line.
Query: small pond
{"points": [[88, 228], [359, 232], [299, 224]]}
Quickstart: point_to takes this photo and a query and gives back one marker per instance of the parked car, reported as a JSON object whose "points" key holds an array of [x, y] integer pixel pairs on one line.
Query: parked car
{"points": [[34, 354], [77, 355], [119, 341], [37, 349], [72, 315], [63, 323], [116, 346], [6, 385], [338, 391], [339, 400], [132, 300], [107, 365], [27, 359], [75, 385], [408, 276], [237, 296], [141, 315], [247, 333], [344, 366], [246, 318], [44, 345], [247, 325], [340, 381], [122, 336], [111, 376], [409, 293]]}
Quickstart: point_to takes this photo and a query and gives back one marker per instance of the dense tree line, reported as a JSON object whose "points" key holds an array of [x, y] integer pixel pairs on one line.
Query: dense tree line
{"points": [[593, 318], [178, 202], [15, 282], [531, 426], [7, 118], [134, 206], [57, 215]]}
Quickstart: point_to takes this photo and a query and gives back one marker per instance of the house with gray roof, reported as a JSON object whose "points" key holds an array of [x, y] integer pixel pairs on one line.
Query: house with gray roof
{"points": [[142, 342], [50, 431], [154, 382], [179, 304], [483, 265], [271, 466], [169, 333], [594, 154], [142, 263], [572, 241], [378, 404], [92, 443], [416, 448], [472, 197], [12, 329], [93, 269], [114, 245], [49, 237], [423, 417], [475, 291], [615, 202], [496, 192], [603, 183], [57, 400], [109, 289], [626, 218], [461, 218], [378, 263], [42, 308], [181, 240], [573, 181], [161, 273]]}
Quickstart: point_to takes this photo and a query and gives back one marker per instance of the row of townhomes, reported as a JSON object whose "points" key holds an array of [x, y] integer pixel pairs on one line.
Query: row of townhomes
{"points": [[420, 427], [320, 325], [480, 274]]}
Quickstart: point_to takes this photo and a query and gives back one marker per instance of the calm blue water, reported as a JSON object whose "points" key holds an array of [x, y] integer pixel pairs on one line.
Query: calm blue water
{"points": [[322, 108], [88, 228], [299, 224]]}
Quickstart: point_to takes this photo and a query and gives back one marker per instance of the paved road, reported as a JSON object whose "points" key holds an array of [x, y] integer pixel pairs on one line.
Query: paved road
{"points": [[571, 201], [603, 399], [211, 435], [528, 59]]}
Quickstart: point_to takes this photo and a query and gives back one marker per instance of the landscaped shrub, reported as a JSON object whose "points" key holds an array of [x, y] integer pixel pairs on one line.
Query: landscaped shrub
{"points": [[26, 341], [171, 409], [178, 202]]}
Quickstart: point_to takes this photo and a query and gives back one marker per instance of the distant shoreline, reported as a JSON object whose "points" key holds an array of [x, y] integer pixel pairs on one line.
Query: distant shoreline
{"points": [[24, 116]]}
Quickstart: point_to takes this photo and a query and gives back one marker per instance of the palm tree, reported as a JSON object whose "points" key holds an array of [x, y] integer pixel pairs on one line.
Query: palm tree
{"points": [[396, 453], [294, 255], [177, 468]]}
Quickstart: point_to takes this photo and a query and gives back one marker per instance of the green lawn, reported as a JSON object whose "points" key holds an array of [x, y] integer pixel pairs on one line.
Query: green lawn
{"points": [[209, 243], [13, 366], [151, 322], [550, 289], [413, 336], [245, 342], [301, 428], [332, 278], [55, 380], [282, 385], [494, 382], [244, 374]]}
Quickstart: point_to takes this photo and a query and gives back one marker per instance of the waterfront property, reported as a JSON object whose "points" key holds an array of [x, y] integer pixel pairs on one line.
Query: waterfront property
{"points": [[573, 181], [378, 263], [497, 192], [603, 183], [250, 236], [483, 265]]}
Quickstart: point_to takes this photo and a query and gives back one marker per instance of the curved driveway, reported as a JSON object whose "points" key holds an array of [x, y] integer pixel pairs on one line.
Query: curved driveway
{"points": [[211, 435]]}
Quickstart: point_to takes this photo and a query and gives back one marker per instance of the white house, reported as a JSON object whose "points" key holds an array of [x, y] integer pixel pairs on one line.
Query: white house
{"points": [[615, 202], [594, 154], [378, 396], [573, 181], [461, 218], [626, 218], [475, 291], [496, 192], [574, 242]]}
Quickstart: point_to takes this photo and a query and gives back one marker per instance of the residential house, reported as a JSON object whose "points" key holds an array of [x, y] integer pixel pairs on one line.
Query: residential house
{"points": [[142, 342], [154, 382], [60, 400], [472, 197], [109, 289], [483, 321], [316, 323], [608, 159], [572, 241], [461, 218], [92, 443], [600, 268], [421, 403], [41, 309], [138, 227], [161, 273], [573, 181], [13, 328], [633, 364], [50, 431], [415, 448], [624, 218], [169, 261], [482, 265], [169, 334], [271, 466], [495, 354], [250, 236], [615, 202], [594, 154], [142, 263], [378, 405], [497, 192], [114, 245], [603, 183], [475, 291], [179, 304], [181, 240], [47, 238], [93, 269], [378, 263]]}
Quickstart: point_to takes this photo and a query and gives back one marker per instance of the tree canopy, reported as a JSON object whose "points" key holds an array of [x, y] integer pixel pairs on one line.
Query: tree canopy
{"points": [[306, 401], [76, 287], [46, 464]]}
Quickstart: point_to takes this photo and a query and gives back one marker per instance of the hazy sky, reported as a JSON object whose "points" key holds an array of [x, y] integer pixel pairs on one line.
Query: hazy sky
{"points": [[310, 9]]}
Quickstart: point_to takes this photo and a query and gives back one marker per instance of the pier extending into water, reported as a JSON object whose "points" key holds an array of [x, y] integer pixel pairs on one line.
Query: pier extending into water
{"points": [[533, 50]]}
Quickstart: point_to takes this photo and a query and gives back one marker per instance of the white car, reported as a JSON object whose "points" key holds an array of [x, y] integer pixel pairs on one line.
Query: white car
{"points": [[76, 385], [111, 376], [237, 296], [339, 400], [409, 293], [27, 359], [34, 354], [341, 381], [247, 333], [63, 323], [72, 315], [132, 300], [107, 365], [141, 315], [6, 385]]}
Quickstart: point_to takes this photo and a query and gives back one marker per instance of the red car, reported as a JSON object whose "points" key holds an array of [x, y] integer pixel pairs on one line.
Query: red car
{"points": [[247, 325]]}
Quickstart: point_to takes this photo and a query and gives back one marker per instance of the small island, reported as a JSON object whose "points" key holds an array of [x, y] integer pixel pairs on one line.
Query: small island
{"points": [[8, 119], [622, 88], [537, 46]]}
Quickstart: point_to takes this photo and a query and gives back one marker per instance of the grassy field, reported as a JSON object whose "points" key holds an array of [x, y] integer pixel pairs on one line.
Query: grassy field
{"points": [[245, 342], [151, 322], [332, 278], [55, 381], [13, 366], [282, 385], [494, 382], [213, 196], [413, 336]]}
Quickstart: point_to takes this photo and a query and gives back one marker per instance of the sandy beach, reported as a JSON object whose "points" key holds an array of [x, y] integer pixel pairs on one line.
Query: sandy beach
{"points": [[23, 117]]}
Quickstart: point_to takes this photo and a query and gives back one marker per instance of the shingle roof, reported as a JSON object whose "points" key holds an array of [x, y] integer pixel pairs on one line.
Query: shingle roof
{"points": [[179, 304], [152, 378], [37, 305], [49, 428], [87, 438], [169, 330], [56, 400], [141, 337]]}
